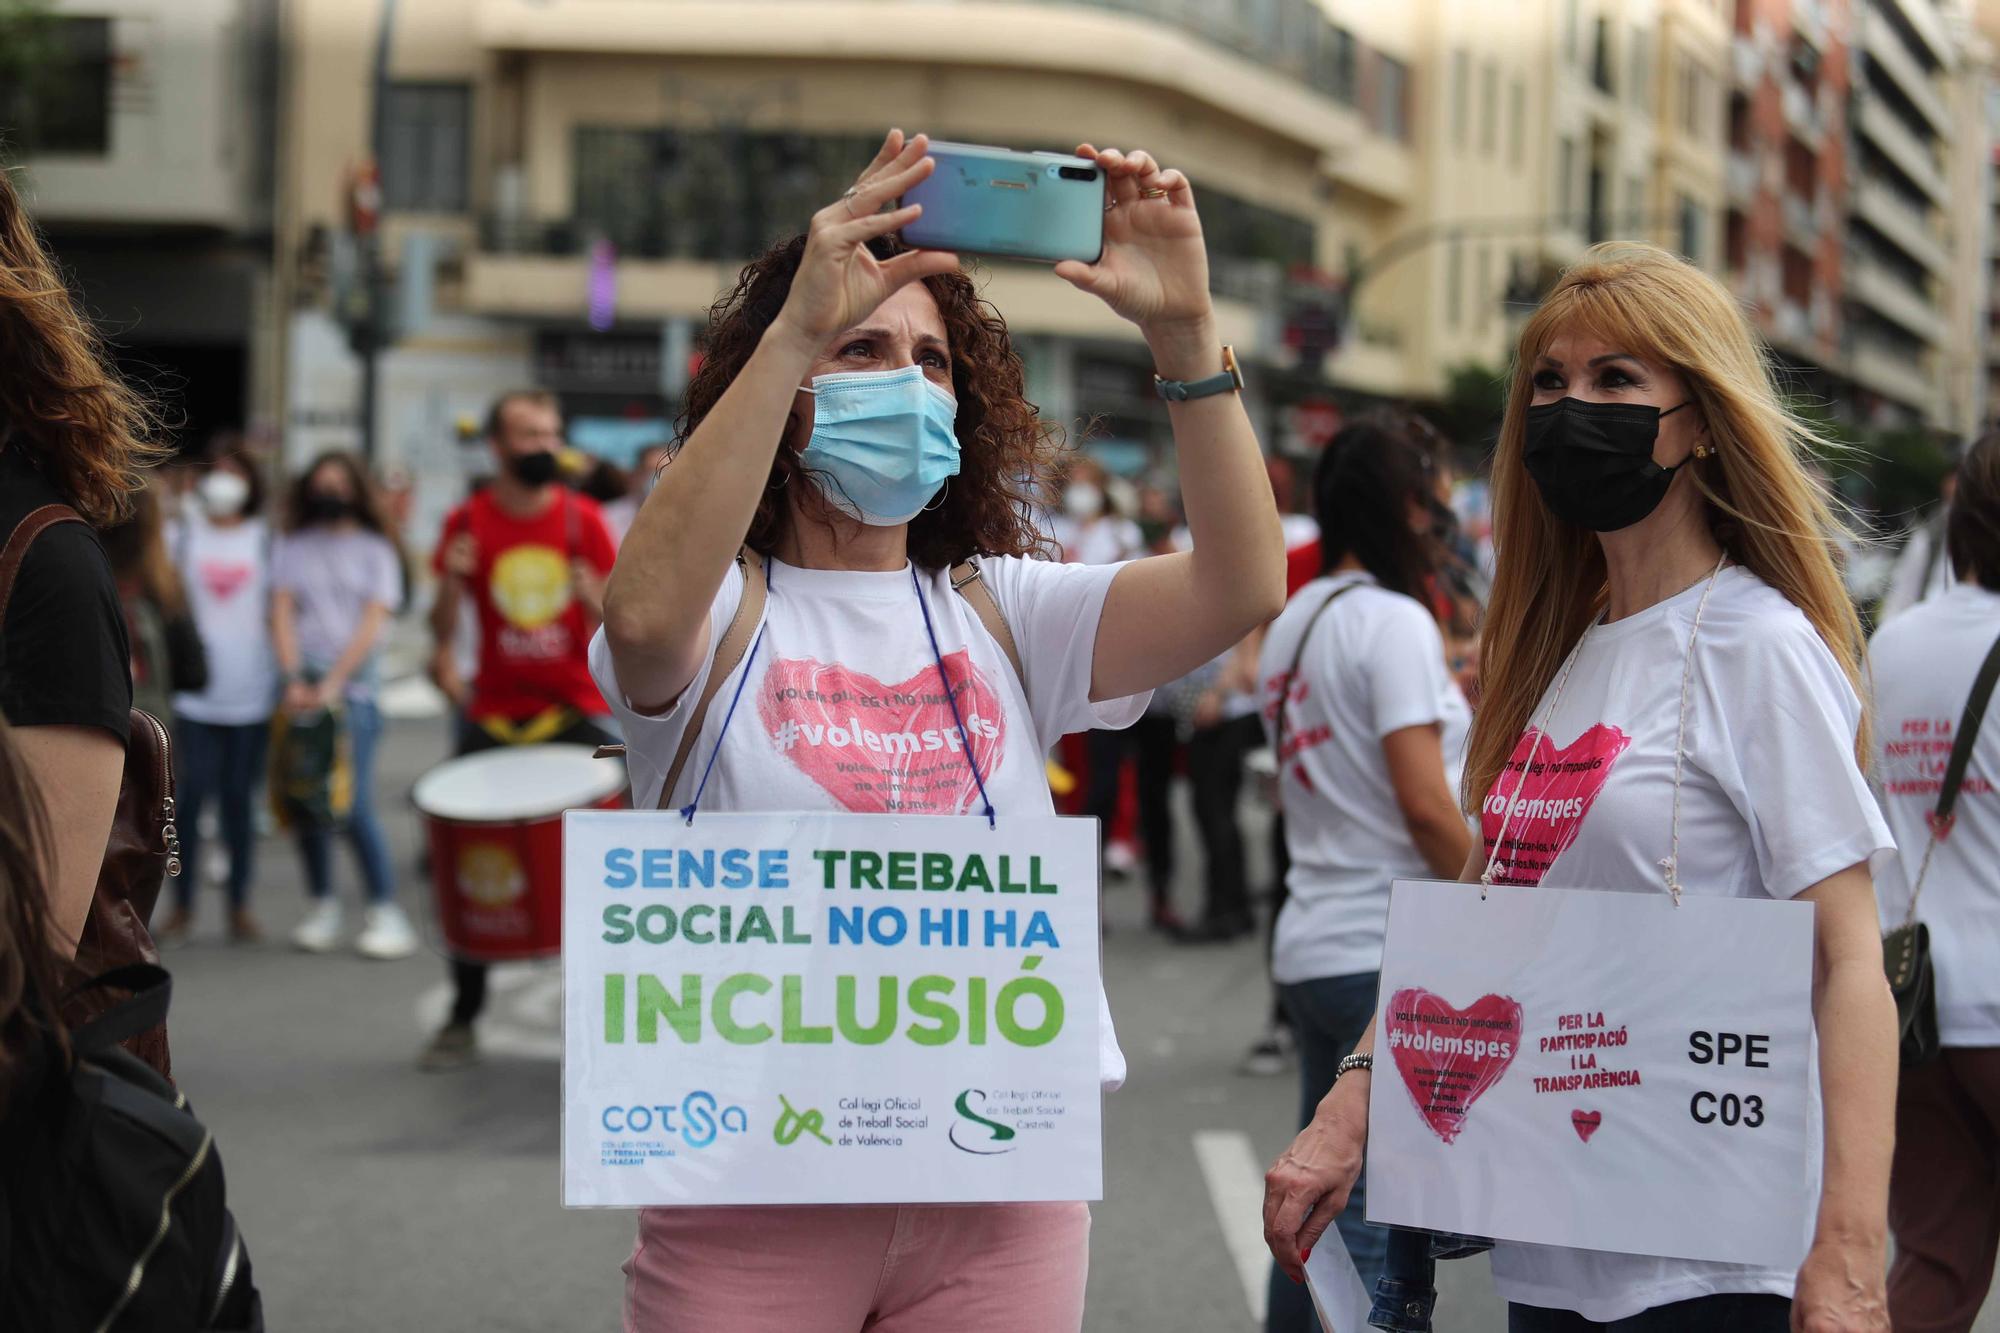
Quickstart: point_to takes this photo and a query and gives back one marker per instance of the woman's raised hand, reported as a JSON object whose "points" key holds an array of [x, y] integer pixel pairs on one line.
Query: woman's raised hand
{"points": [[1154, 269], [839, 282]]}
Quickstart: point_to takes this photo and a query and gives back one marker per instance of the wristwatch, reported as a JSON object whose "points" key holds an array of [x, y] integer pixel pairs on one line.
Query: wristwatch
{"points": [[1229, 381], [1353, 1062]]}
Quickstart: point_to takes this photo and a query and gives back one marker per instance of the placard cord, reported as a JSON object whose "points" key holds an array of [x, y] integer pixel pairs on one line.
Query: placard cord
{"points": [[1670, 864], [749, 661], [951, 697]]}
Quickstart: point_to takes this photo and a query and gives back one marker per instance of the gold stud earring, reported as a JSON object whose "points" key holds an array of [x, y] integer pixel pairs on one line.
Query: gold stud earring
{"points": [[1703, 451]]}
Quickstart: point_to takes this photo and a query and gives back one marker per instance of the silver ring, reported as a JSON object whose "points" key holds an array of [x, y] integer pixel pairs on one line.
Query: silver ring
{"points": [[847, 199], [1152, 192], [1110, 204]]}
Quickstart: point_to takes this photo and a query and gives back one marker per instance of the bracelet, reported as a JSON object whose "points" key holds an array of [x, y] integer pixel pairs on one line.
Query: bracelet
{"points": [[1359, 1060]]}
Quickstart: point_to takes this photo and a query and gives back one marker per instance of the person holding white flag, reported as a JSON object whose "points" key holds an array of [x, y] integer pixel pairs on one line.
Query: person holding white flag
{"points": [[1671, 701], [857, 436]]}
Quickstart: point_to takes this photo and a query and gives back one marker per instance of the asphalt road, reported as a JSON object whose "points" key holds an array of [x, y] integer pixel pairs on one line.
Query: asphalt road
{"points": [[377, 1197]]}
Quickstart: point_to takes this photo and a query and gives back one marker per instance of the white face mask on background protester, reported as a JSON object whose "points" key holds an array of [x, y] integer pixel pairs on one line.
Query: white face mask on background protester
{"points": [[1082, 501], [223, 494]]}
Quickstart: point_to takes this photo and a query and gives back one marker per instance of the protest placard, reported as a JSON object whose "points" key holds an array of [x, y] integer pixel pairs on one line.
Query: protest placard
{"points": [[1601, 1070], [829, 1008]]}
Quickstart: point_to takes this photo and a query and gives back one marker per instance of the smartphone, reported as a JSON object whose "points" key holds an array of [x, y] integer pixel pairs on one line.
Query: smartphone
{"points": [[996, 201]]}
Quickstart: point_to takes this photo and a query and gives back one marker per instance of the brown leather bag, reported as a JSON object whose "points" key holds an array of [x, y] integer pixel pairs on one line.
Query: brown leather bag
{"points": [[142, 850]]}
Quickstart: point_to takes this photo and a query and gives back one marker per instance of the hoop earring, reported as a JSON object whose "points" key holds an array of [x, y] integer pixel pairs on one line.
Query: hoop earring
{"points": [[786, 481], [939, 502]]}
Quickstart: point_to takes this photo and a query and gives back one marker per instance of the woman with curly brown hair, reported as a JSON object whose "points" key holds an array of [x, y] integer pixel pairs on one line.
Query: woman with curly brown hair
{"points": [[860, 426], [70, 434]]}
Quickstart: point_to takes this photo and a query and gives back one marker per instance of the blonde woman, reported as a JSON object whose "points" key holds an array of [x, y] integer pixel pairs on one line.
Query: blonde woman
{"points": [[1647, 476]]}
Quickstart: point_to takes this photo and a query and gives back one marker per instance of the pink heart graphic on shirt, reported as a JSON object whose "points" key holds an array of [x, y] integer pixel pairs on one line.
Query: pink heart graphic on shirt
{"points": [[1549, 792], [1449, 1057], [879, 748], [224, 581]]}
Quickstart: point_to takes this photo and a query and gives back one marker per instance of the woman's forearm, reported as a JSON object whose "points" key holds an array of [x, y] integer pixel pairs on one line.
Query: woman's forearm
{"points": [[689, 529], [361, 643], [1239, 548], [1856, 1018], [284, 636]]}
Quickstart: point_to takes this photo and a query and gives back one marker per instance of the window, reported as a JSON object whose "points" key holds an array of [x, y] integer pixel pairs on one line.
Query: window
{"points": [[1694, 92], [1392, 89], [1565, 176], [1489, 108], [1571, 20], [1454, 283], [1600, 55], [1693, 224], [1461, 97], [1517, 123], [1635, 219], [426, 147], [1642, 71], [60, 101], [1333, 64]]}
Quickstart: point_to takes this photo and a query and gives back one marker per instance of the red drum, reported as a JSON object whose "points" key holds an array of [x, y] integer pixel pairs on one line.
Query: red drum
{"points": [[495, 822]]}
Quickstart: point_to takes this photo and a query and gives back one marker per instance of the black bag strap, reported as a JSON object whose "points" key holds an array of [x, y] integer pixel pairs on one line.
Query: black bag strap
{"points": [[152, 989], [1285, 692], [1944, 814]]}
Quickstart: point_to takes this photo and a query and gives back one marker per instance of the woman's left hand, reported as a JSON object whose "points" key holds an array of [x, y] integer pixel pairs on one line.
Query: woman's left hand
{"points": [[1154, 269], [1841, 1290]]}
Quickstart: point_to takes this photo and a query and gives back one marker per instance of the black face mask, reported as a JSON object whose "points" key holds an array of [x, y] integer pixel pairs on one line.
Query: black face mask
{"points": [[537, 469], [323, 508], [1593, 462]]}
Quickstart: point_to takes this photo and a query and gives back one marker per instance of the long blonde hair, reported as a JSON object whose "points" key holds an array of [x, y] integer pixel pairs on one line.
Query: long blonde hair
{"points": [[1770, 513]]}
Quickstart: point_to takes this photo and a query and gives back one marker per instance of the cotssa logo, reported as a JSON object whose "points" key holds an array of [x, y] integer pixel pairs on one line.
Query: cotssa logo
{"points": [[975, 1133], [698, 1119]]}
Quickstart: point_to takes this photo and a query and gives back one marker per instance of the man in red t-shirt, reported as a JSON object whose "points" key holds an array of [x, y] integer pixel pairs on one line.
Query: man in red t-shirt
{"points": [[532, 557]]}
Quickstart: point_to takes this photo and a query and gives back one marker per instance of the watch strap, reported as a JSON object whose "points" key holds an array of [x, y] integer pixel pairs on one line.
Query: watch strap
{"points": [[1229, 380]]}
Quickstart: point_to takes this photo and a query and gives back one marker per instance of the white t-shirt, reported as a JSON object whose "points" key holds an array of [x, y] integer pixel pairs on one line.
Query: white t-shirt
{"points": [[1104, 540], [815, 726], [1772, 802], [1374, 664], [227, 574], [1923, 663]]}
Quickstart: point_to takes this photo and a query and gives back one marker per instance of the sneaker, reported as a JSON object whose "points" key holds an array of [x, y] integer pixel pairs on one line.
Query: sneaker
{"points": [[1120, 858], [175, 932], [320, 931], [1269, 1056], [454, 1047], [386, 934]]}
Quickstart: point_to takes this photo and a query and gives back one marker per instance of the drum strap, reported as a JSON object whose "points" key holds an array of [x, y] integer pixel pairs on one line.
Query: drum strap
{"points": [[735, 642]]}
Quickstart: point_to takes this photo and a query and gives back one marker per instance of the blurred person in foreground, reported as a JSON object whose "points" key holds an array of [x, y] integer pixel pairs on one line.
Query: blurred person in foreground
{"points": [[337, 580], [1362, 713], [860, 426], [71, 433], [1944, 1202], [167, 653], [222, 548], [532, 556]]}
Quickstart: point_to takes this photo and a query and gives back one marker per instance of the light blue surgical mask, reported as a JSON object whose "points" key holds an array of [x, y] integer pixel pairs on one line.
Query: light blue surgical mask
{"points": [[882, 442]]}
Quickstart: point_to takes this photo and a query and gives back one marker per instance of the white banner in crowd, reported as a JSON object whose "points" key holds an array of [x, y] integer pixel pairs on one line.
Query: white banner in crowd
{"points": [[829, 1008], [1598, 1070]]}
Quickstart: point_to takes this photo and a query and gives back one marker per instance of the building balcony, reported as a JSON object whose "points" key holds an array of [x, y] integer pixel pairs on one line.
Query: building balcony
{"points": [[1746, 62], [542, 286], [1913, 233], [1889, 295], [1925, 20], [1802, 113], [1805, 222], [1887, 53], [1884, 368], [1742, 176], [1809, 22], [1179, 52], [1912, 156]]}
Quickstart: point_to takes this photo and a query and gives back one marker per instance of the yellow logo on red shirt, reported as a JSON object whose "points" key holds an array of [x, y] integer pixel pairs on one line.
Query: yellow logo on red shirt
{"points": [[531, 585]]}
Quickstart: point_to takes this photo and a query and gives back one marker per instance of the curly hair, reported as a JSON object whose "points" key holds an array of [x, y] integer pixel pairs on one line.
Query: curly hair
{"points": [[91, 434], [1007, 453]]}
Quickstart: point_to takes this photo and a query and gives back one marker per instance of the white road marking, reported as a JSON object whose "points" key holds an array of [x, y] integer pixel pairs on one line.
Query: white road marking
{"points": [[1236, 1188]]}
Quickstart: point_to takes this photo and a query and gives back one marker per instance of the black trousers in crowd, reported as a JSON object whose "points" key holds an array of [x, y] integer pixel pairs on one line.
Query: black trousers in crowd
{"points": [[467, 977], [1215, 773]]}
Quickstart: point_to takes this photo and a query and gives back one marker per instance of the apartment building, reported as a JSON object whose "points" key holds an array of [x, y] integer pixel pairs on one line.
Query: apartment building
{"points": [[641, 149], [143, 141]]}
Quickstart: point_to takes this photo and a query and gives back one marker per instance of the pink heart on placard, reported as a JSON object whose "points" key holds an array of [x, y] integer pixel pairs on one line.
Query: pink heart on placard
{"points": [[1548, 800], [879, 748], [1449, 1057], [1585, 1123]]}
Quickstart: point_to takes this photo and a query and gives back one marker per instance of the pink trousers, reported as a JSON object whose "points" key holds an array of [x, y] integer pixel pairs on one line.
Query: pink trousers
{"points": [[973, 1268]]}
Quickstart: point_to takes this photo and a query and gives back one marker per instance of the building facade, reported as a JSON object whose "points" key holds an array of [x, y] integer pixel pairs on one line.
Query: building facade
{"points": [[143, 141]]}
